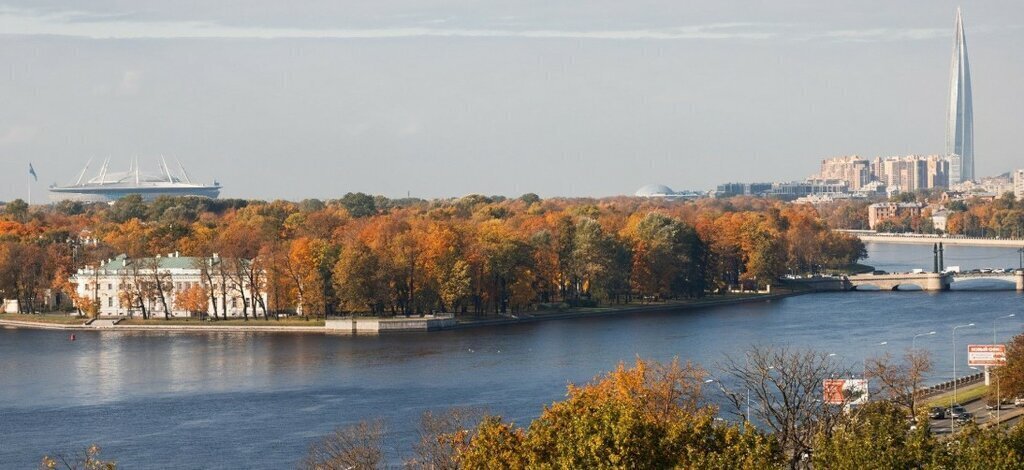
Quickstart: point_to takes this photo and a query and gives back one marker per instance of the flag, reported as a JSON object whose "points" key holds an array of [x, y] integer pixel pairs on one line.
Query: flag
{"points": [[32, 171]]}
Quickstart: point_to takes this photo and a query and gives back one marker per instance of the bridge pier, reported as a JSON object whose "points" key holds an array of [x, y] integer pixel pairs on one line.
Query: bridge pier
{"points": [[1018, 275]]}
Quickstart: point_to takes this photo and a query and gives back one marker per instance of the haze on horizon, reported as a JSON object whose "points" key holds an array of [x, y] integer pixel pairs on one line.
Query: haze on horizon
{"points": [[445, 98]]}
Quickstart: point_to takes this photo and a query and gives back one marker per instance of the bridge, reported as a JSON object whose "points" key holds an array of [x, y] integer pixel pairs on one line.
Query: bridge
{"points": [[927, 281]]}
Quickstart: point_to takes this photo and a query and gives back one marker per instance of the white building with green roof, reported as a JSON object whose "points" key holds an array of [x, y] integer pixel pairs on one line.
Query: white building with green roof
{"points": [[125, 286]]}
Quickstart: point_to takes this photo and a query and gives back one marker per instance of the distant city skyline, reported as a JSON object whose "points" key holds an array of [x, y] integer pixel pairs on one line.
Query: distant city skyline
{"points": [[443, 99]]}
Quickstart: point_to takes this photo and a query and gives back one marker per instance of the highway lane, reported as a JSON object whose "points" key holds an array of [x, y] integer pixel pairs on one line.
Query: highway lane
{"points": [[981, 416]]}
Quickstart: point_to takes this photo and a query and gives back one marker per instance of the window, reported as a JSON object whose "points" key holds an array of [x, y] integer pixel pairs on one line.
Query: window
{"points": [[110, 301], [110, 286]]}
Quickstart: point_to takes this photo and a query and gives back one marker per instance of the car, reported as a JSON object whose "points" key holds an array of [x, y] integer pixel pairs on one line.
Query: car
{"points": [[936, 412], [955, 411], [1019, 401], [965, 417]]}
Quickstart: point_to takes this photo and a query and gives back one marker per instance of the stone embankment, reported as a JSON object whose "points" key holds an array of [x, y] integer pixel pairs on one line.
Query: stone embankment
{"points": [[410, 324]]}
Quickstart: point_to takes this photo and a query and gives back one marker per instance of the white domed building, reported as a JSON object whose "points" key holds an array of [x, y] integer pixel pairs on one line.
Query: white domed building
{"points": [[655, 190]]}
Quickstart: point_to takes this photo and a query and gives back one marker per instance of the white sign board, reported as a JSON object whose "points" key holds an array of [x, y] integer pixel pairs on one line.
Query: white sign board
{"points": [[986, 354]]}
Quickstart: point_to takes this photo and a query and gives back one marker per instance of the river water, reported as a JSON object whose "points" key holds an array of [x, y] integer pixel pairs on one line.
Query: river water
{"points": [[218, 400]]}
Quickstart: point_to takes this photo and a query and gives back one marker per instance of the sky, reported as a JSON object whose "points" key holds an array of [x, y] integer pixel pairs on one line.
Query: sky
{"points": [[443, 98]]}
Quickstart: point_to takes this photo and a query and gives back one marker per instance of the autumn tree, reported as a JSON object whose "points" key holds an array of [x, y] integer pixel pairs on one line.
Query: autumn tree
{"points": [[785, 394], [900, 382], [359, 280], [358, 446], [1011, 375], [193, 299], [648, 416], [87, 460]]}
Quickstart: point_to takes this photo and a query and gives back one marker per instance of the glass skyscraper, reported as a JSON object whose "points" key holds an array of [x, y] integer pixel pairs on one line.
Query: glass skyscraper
{"points": [[960, 116]]}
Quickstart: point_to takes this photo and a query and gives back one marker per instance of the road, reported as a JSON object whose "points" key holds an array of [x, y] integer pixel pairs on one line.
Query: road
{"points": [[1009, 414]]}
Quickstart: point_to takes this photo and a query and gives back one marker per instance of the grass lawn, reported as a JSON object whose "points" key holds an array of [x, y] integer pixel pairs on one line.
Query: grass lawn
{"points": [[963, 395], [54, 318], [239, 322]]}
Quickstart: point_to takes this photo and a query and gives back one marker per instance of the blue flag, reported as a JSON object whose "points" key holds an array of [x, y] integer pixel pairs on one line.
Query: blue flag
{"points": [[32, 171]]}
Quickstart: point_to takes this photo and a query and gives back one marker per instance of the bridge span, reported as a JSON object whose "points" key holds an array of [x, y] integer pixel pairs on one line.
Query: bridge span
{"points": [[926, 281]]}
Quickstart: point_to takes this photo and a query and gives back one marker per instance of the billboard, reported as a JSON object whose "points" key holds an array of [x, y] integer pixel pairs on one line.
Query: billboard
{"points": [[986, 354], [846, 391]]}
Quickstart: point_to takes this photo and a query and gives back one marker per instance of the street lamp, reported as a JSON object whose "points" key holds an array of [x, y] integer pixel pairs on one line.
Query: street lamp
{"points": [[913, 347], [913, 342], [952, 422], [999, 402]]}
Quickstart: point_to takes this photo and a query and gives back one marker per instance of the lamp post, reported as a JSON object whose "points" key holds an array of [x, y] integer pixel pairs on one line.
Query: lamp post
{"points": [[952, 422], [999, 401], [913, 341], [913, 348]]}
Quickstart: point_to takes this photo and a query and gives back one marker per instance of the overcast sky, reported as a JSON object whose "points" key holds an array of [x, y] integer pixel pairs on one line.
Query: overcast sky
{"points": [[444, 98]]}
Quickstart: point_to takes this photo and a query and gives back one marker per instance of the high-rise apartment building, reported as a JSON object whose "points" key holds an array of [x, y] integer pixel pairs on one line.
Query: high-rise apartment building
{"points": [[912, 172], [856, 171], [1018, 184]]}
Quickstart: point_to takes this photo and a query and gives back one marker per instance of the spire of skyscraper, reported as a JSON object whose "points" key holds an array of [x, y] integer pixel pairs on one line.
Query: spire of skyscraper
{"points": [[960, 116]]}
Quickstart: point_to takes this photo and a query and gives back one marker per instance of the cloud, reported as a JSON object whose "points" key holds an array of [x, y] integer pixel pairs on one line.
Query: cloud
{"points": [[885, 34], [80, 24], [104, 26]]}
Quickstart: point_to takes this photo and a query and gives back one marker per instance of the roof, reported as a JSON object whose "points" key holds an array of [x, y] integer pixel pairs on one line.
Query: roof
{"points": [[654, 190], [171, 261]]}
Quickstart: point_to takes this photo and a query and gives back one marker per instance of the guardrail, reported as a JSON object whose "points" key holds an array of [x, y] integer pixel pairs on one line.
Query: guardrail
{"points": [[948, 385]]}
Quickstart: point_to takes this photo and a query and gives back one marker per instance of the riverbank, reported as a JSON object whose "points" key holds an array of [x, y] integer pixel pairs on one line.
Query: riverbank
{"points": [[55, 322], [596, 312]]}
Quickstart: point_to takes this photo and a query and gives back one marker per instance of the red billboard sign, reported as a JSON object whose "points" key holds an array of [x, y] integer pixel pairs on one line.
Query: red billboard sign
{"points": [[834, 391], [986, 354]]}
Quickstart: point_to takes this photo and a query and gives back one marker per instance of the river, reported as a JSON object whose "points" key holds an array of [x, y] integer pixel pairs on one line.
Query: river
{"points": [[219, 400]]}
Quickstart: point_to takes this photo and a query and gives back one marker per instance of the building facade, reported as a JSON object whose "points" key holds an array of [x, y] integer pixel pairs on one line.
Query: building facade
{"points": [[960, 113], [856, 171], [124, 286], [896, 173], [1018, 184], [912, 172], [882, 211]]}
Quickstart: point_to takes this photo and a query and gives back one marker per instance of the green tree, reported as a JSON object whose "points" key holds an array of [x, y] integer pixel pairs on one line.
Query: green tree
{"points": [[877, 435], [977, 448], [359, 204], [127, 208], [17, 209]]}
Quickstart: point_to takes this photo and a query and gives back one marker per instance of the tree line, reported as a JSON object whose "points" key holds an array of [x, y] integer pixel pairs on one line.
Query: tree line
{"points": [[471, 255]]}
